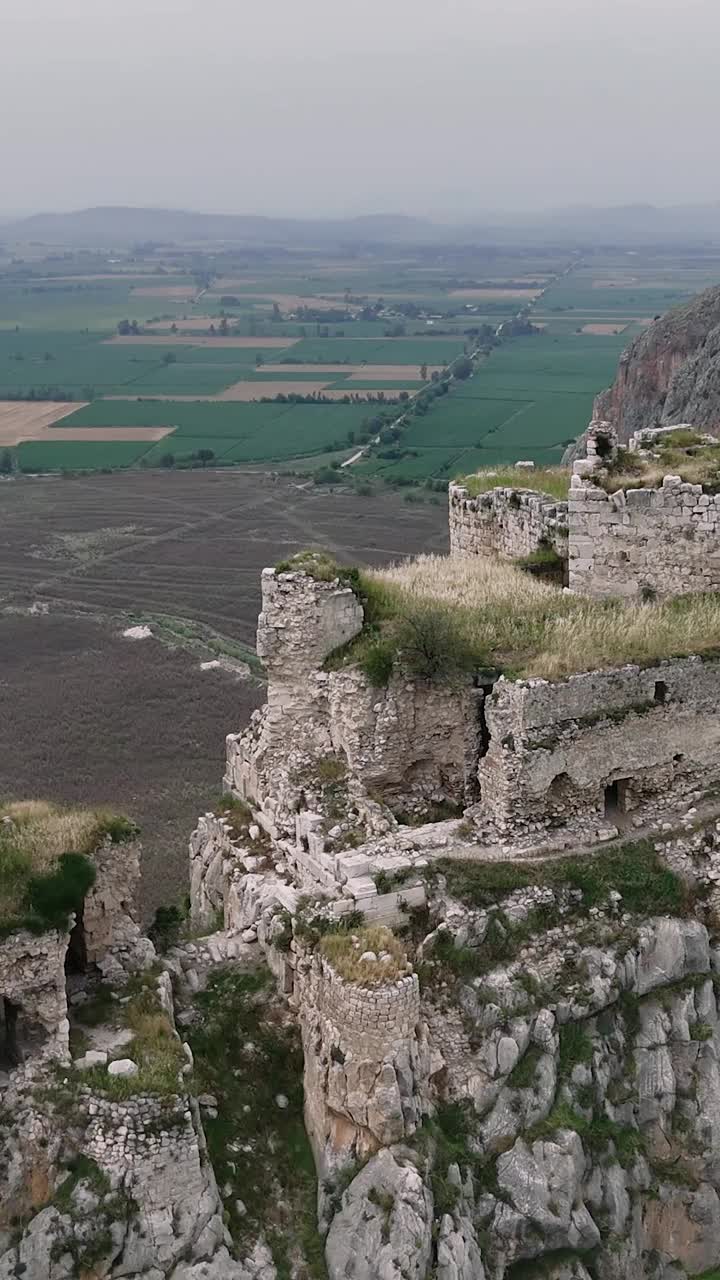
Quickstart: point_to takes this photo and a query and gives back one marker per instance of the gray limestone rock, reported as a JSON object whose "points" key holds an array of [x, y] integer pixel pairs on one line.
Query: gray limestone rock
{"points": [[383, 1228]]}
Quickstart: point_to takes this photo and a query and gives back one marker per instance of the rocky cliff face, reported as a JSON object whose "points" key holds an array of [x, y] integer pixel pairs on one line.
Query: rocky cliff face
{"points": [[671, 373]]}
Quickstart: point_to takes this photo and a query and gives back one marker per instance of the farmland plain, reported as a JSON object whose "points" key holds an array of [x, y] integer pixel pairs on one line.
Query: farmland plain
{"points": [[149, 343]]}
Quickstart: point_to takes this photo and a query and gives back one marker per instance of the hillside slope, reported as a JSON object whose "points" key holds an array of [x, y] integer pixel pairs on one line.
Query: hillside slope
{"points": [[670, 373]]}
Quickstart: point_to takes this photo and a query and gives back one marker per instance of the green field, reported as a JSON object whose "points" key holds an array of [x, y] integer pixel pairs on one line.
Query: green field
{"points": [[528, 398], [73, 455], [383, 351], [233, 431]]}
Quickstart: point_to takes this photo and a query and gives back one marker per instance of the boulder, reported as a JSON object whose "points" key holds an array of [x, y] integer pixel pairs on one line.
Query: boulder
{"points": [[383, 1230]]}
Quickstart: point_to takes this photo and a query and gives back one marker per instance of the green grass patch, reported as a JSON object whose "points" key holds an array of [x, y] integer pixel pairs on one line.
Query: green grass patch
{"points": [[247, 1052], [552, 481], [635, 870], [575, 1048]]}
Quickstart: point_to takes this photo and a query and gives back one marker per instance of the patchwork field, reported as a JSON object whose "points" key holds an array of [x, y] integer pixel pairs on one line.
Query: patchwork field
{"points": [[181, 336], [25, 420]]}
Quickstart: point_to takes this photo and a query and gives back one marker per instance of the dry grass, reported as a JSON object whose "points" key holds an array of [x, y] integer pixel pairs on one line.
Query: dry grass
{"points": [[35, 836], [343, 951], [525, 627], [554, 481], [41, 832]]}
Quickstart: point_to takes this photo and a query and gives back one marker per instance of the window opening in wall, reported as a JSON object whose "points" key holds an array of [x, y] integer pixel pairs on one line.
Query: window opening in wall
{"points": [[9, 1048], [20, 1037], [660, 691], [616, 798], [76, 954]]}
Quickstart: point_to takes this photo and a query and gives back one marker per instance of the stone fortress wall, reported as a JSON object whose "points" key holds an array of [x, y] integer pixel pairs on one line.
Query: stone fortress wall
{"points": [[648, 542], [32, 965], [511, 522], [600, 747], [366, 1060], [528, 758]]}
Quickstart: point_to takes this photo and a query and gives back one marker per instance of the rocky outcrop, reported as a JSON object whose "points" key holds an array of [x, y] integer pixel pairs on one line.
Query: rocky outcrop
{"points": [[671, 373], [384, 1225]]}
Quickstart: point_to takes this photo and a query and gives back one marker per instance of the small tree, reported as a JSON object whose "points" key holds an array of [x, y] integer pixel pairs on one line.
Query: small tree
{"points": [[423, 373], [204, 456], [6, 463], [463, 368]]}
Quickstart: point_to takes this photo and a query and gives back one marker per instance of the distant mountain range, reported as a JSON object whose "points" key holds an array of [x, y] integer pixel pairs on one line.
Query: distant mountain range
{"points": [[109, 226]]}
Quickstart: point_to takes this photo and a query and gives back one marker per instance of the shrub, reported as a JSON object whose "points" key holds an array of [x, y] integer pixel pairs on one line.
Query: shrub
{"points": [[167, 926], [575, 1047], [430, 644], [377, 661], [51, 898], [45, 868], [523, 1073]]}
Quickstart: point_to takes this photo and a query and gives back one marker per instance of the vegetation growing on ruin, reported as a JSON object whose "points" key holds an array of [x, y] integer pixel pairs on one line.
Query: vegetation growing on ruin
{"points": [[319, 565], [438, 617], [248, 1057], [682, 453], [635, 870], [155, 1048], [94, 1207], [345, 952], [554, 482], [45, 867]]}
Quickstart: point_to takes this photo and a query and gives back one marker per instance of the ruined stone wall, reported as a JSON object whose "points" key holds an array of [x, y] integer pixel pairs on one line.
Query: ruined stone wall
{"points": [[366, 1061], [659, 542], [507, 522], [32, 976], [556, 747], [113, 938], [157, 1147], [413, 736], [331, 758]]}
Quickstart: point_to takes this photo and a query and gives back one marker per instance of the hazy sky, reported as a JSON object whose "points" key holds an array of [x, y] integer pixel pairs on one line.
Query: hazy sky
{"points": [[354, 106]]}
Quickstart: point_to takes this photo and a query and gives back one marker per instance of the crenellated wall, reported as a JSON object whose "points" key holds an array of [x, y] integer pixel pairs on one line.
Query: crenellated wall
{"points": [[508, 522]]}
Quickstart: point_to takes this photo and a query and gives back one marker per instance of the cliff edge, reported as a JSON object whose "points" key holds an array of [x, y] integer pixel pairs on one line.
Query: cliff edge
{"points": [[670, 373]]}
